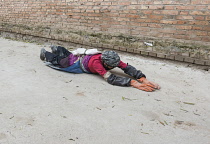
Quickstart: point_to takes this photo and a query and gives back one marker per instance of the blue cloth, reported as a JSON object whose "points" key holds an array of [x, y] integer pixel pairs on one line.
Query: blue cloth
{"points": [[75, 68]]}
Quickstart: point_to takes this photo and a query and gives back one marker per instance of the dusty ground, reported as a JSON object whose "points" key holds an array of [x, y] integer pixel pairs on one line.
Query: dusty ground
{"points": [[39, 105]]}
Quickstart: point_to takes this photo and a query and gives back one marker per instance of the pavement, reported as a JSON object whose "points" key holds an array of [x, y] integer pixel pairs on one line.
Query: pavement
{"points": [[40, 105]]}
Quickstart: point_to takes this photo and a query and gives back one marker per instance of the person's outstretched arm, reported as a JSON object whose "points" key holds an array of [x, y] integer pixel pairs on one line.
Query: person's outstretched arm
{"points": [[124, 81], [138, 75]]}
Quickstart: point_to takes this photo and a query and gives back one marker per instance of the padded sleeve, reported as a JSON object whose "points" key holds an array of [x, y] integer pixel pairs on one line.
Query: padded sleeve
{"points": [[117, 80], [132, 71]]}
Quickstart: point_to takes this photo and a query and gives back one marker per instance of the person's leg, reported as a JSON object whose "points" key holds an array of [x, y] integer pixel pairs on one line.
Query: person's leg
{"points": [[50, 57], [61, 51], [64, 63]]}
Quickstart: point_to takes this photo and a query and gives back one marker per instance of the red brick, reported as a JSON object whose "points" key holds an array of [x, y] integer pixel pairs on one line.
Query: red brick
{"points": [[157, 11], [169, 7], [197, 28], [155, 17], [152, 21], [131, 7], [123, 22], [156, 7], [195, 2], [205, 2], [170, 12], [143, 7], [76, 10], [148, 2], [207, 28], [123, 19], [90, 11], [198, 13], [124, 3], [184, 27], [168, 21], [181, 22], [196, 38], [157, 2], [184, 12], [182, 37], [155, 25], [106, 3], [134, 3], [147, 11], [132, 16], [206, 39], [199, 17], [180, 32], [132, 11], [139, 20], [184, 17], [207, 17], [89, 3], [201, 33], [134, 24], [76, 17], [113, 14], [199, 22], [114, 23], [168, 2], [143, 24], [201, 7], [95, 22], [186, 7]]}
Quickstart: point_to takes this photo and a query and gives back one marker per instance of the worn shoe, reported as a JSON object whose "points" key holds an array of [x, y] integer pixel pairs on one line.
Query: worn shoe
{"points": [[54, 49], [42, 54]]}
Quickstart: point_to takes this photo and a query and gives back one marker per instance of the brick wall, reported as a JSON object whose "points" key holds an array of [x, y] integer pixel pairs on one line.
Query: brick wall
{"points": [[175, 27]]}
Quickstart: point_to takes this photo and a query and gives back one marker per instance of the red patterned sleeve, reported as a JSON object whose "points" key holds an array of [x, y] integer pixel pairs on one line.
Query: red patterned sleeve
{"points": [[122, 65]]}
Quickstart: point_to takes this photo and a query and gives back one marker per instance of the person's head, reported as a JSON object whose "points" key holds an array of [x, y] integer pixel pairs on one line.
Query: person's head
{"points": [[110, 59]]}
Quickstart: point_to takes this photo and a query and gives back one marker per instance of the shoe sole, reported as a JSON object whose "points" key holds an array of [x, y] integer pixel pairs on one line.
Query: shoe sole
{"points": [[42, 54]]}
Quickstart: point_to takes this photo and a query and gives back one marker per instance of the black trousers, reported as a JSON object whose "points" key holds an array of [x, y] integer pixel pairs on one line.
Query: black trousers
{"points": [[58, 57]]}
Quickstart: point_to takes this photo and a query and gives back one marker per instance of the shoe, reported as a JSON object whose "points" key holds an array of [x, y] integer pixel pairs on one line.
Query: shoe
{"points": [[57, 50], [42, 54], [54, 49]]}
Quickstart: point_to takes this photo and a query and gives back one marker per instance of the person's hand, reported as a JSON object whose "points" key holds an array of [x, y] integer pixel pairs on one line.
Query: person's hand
{"points": [[143, 80], [144, 87]]}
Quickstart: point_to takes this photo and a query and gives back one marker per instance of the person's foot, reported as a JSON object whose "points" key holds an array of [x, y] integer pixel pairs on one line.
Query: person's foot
{"points": [[42, 54], [57, 50], [54, 49]]}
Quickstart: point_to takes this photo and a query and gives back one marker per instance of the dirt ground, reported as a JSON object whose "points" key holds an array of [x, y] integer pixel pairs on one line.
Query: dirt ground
{"points": [[39, 105]]}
